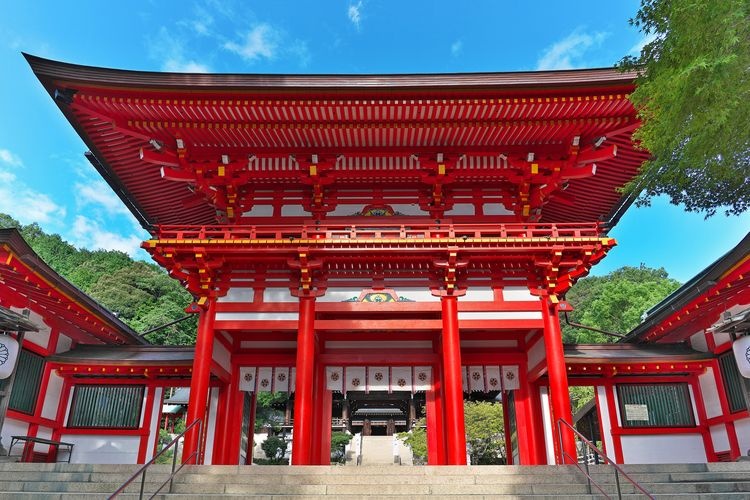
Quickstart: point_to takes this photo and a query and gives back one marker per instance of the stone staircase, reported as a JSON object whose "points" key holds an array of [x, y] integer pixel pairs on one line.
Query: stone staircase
{"points": [[377, 450], [69, 481]]}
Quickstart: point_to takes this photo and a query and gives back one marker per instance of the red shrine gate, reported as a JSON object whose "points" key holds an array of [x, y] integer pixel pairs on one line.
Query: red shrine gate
{"points": [[467, 203]]}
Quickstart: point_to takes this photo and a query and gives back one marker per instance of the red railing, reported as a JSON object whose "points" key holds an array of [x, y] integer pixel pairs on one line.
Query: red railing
{"points": [[379, 230]]}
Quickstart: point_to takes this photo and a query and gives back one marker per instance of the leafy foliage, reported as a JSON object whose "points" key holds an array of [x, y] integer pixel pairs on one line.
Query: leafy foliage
{"points": [[615, 302], [416, 439], [141, 294], [485, 434], [339, 440], [274, 447], [693, 95], [269, 409], [579, 396]]}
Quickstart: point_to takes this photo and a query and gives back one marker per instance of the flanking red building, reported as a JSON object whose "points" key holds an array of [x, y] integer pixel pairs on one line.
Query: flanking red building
{"points": [[381, 245]]}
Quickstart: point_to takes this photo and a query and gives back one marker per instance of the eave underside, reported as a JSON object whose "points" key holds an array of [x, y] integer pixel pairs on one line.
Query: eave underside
{"points": [[457, 132], [27, 282]]}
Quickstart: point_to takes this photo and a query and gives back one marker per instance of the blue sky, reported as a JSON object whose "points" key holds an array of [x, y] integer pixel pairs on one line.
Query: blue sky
{"points": [[45, 179]]}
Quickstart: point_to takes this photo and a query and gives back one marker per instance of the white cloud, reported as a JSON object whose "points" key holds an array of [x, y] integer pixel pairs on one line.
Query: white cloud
{"points": [[262, 41], [647, 38], [299, 49], [355, 13], [170, 50], [90, 234], [10, 159], [177, 66], [456, 48], [569, 52], [25, 204], [200, 27], [98, 193], [21, 202]]}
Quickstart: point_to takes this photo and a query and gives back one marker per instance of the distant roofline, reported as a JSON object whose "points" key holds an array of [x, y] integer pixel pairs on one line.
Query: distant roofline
{"points": [[23, 251], [92, 75], [690, 290]]}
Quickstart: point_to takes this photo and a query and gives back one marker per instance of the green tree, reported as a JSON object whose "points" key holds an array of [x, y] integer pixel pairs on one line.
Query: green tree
{"points": [[339, 440], [615, 302], [579, 396], [693, 95], [416, 439], [274, 447], [141, 294], [269, 409], [485, 434]]}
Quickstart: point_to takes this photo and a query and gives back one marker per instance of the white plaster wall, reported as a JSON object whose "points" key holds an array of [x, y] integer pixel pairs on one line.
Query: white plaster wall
{"points": [[13, 427], [407, 209], [496, 209], [63, 343], [417, 294], [722, 338], [268, 344], [238, 294], [517, 293], [256, 316], [395, 346], [153, 432], [663, 449], [606, 421], [489, 343], [259, 211], [339, 294], [478, 295], [103, 449], [45, 433], [278, 294], [693, 404], [213, 406], [536, 353], [719, 437], [295, 210], [499, 315], [742, 428], [710, 392], [698, 342], [40, 338], [52, 397], [461, 209], [221, 355], [547, 422]]}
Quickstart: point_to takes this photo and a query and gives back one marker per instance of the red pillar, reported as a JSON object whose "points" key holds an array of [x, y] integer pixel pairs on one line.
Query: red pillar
{"points": [[250, 428], [321, 438], [452, 386], [558, 381], [303, 396], [434, 420], [204, 346], [231, 440], [221, 426], [528, 423]]}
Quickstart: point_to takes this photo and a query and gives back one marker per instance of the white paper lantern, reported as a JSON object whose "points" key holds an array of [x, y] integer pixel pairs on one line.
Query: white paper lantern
{"points": [[8, 355], [741, 348]]}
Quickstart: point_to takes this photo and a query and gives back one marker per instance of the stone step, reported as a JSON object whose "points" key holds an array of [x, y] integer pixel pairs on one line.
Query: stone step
{"points": [[72, 496], [675, 481]]}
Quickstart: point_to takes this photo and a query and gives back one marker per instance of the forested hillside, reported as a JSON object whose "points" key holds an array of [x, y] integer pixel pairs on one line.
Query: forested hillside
{"points": [[140, 293], [615, 302]]}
